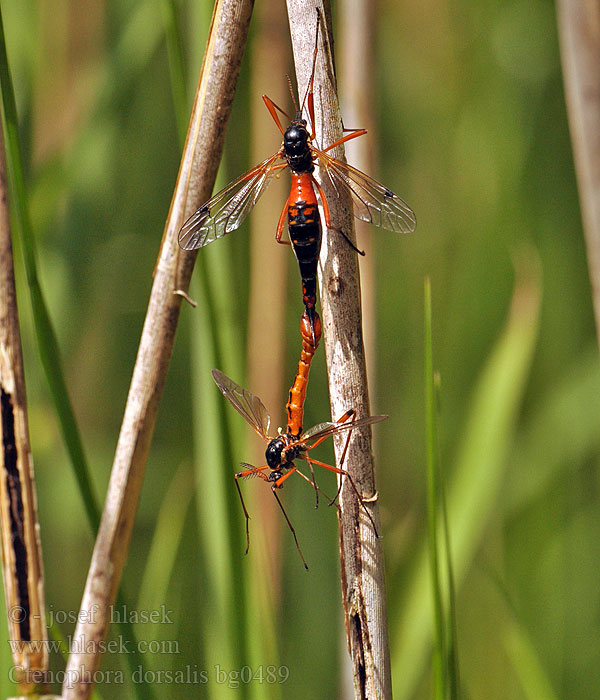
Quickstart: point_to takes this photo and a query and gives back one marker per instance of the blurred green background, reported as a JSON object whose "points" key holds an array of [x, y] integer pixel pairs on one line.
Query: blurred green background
{"points": [[471, 129]]}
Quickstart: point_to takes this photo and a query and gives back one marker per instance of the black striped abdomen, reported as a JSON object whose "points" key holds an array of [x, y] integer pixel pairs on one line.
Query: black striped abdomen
{"points": [[305, 235], [304, 228]]}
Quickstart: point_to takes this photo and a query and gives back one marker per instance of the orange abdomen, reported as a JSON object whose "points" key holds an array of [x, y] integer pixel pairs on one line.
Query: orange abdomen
{"points": [[297, 395]]}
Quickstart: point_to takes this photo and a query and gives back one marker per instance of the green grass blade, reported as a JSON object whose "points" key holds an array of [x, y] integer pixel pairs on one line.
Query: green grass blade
{"points": [[475, 486], [235, 641], [7, 689], [176, 67], [167, 536], [451, 659], [544, 440], [224, 624], [433, 497], [445, 653], [519, 647]]}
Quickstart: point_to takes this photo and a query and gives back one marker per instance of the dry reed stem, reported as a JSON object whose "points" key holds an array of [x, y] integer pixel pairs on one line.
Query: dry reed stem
{"points": [[362, 571], [21, 548], [579, 31], [173, 271]]}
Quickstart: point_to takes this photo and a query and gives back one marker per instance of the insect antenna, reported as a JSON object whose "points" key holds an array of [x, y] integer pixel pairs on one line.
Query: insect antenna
{"points": [[291, 89], [309, 87]]}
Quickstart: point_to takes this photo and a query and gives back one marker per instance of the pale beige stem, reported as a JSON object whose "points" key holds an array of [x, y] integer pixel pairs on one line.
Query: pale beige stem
{"points": [[172, 273], [579, 31], [362, 571]]}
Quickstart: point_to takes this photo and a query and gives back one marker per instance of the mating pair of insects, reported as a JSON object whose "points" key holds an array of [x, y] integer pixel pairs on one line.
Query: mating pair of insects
{"points": [[225, 211]]}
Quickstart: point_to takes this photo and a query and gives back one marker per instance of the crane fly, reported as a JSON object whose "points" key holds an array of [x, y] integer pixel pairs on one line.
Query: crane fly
{"points": [[372, 201], [285, 449]]}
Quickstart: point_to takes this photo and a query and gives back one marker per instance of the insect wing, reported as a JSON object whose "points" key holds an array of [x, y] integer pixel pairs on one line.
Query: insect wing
{"points": [[244, 402], [249, 471], [325, 429], [372, 202], [224, 212]]}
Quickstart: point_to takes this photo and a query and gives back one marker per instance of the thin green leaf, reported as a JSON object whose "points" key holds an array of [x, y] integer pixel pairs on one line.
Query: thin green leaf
{"points": [[545, 443], [176, 67], [451, 660], [446, 673], [433, 497], [519, 647], [475, 487], [224, 623], [168, 533]]}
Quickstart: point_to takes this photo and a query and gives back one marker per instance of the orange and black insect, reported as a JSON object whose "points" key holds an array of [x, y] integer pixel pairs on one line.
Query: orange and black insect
{"points": [[285, 449], [372, 202]]}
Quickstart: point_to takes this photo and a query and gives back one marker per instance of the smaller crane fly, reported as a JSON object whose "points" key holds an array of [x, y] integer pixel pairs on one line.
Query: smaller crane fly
{"points": [[285, 449]]}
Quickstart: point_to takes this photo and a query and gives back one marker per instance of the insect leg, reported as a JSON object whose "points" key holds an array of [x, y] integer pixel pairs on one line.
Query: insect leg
{"points": [[313, 484], [345, 418], [271, 106], [274, 489], [353, 133], [341, 465], [258, 471], [345, 473], [281, 223], [314, 481]]}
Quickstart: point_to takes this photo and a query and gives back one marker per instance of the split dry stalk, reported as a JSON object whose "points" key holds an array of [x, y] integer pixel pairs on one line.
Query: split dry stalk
{"points": [[173, 270], [362, 571], [21, 548], [579, 31]]}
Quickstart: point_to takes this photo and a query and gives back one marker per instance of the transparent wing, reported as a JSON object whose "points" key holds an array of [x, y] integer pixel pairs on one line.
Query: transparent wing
{"points": [[249, 471], [224, 212], [372, 202], [324, 429], [245, 403]]}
